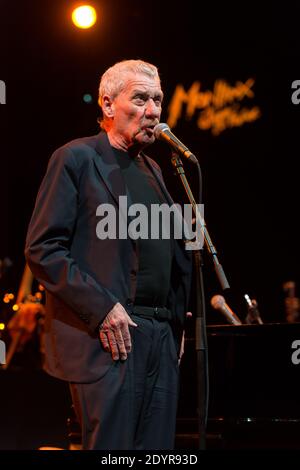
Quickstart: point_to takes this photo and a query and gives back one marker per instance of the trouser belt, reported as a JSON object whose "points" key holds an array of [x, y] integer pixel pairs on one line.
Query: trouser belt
{"points": [[159, 313]]}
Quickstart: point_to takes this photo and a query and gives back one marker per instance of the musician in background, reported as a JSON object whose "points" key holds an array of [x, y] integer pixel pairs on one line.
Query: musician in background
{"points": [[291, 302], [25, 328]]}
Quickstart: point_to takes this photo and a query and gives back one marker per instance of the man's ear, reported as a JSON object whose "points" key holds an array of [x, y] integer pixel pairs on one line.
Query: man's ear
{"points": [[108, 106]]}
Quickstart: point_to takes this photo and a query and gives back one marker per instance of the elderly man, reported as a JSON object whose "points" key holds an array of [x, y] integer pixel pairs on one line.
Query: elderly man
{"points": [[115, 306]]}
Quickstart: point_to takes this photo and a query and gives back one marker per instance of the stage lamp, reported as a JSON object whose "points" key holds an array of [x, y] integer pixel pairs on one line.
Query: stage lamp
{"points": [[84, 17]]}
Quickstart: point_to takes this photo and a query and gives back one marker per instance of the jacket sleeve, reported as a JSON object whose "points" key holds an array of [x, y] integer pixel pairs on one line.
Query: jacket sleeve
{"points": [[48, 241]]}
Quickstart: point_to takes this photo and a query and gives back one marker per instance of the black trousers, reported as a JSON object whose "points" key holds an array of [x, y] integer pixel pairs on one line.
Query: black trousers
{"points": [[134, 405]]}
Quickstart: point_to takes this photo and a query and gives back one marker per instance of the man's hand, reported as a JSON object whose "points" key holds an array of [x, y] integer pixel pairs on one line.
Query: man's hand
{"points": [[114, 332]]}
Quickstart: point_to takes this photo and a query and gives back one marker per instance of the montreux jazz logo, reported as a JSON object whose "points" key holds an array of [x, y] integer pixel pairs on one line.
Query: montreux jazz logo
{"points": [[224, 106]]}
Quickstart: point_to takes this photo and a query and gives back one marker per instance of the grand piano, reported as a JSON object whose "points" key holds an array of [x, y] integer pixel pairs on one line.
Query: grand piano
{"points": [[254, 399]]}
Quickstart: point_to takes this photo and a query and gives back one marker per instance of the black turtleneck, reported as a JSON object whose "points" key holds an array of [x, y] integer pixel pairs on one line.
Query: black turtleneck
{"points": [[155, 256]]}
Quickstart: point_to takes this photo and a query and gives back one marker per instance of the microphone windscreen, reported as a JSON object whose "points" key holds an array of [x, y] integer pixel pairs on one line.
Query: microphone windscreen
{"points": [[217, 301], [159, 128]]}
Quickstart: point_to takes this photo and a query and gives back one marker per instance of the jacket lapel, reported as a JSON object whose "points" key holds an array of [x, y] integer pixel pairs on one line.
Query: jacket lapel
{"points": [[159, 179], [111, 174], [166, 193], [108, 168]]}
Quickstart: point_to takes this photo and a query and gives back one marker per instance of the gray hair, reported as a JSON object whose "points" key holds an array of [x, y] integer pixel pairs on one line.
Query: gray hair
{"points": [[114, 79]]}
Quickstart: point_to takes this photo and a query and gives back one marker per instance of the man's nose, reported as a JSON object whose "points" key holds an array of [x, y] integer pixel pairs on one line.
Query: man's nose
{"points": [[152, 109]]}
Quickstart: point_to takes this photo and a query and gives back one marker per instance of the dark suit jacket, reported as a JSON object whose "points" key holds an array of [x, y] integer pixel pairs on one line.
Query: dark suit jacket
{"points": [[84, 276]]}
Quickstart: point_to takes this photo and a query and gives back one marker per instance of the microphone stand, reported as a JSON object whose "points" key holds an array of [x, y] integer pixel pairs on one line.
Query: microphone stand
{"points": [[200, 327]]}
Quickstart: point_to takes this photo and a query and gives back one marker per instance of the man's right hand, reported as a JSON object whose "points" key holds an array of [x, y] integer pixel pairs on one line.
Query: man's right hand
{"points": [[114, 332]]}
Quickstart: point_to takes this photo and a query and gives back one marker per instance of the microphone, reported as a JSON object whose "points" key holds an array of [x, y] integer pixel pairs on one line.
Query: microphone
{"points": [[163, 132], [218, 302], [253, 315]]}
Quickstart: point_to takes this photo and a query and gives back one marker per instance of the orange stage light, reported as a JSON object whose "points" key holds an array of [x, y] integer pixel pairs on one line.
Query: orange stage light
{"points": [[84, 16]]}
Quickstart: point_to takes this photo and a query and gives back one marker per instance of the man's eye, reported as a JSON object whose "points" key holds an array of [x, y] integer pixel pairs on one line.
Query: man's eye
{"points": [[140, 99]]}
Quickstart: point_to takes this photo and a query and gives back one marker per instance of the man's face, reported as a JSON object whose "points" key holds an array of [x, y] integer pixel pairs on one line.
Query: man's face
{"points": [[136, 111]]}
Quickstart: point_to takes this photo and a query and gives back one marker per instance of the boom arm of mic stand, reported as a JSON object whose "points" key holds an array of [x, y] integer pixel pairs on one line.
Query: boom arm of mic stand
{"points": [[177, 163]]}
